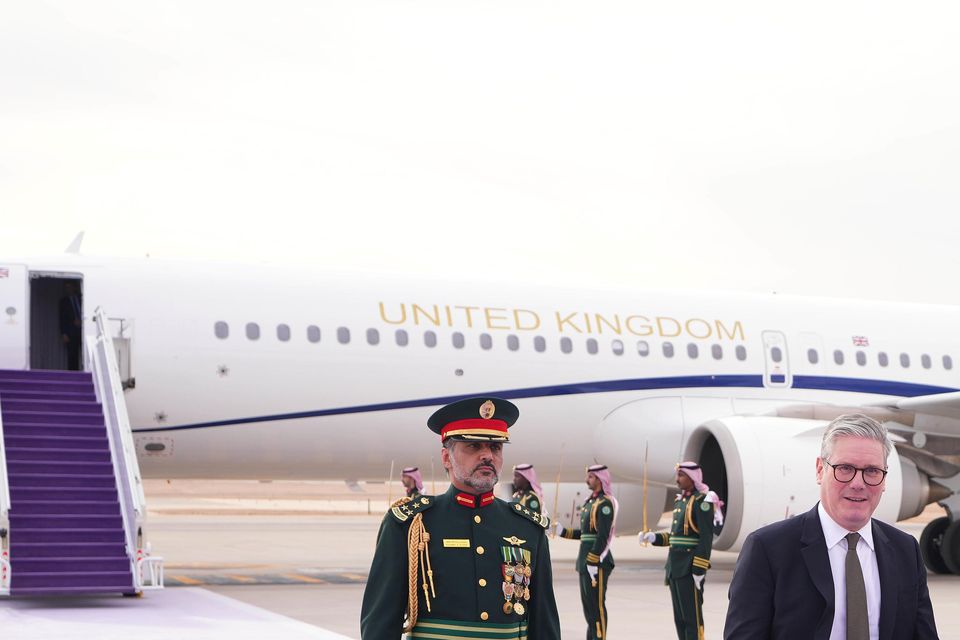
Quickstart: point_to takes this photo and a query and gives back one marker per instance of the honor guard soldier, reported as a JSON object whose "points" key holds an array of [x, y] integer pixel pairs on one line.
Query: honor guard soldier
{"points": [[690, 539], [463, 564], [598, 519], [526, 488], [412, 482]]}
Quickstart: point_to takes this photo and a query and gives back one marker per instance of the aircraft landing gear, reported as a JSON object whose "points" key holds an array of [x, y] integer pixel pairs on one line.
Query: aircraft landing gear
{"points": [[932, 548], [950, 547]]}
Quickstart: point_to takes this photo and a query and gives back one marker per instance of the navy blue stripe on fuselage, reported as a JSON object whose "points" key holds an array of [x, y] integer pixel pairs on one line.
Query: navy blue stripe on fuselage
{"points": [[824, 383]]}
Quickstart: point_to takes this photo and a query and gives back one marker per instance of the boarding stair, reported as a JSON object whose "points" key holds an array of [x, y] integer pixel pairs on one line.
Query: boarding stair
{"points": [[72, 522]]}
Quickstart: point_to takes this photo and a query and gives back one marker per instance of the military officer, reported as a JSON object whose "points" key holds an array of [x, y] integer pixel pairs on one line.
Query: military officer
{"points": [[463, 564], [598, 519], [526, 488], [690, 539], [412, 482]]}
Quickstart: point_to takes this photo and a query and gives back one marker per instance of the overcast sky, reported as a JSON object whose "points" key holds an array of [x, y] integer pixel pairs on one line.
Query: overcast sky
{"points": [[808, 148]]}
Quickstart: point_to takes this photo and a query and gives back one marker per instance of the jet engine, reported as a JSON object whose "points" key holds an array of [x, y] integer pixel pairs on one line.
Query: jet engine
{"points": [[764, 469]]}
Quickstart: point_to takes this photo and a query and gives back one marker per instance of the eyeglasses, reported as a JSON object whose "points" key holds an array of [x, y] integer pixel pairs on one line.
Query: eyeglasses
{"points": [[847, 472]]}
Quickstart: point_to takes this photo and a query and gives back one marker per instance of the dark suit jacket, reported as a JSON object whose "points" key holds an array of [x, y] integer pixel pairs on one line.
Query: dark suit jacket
{"points": [[68, 318], [782, 586]]}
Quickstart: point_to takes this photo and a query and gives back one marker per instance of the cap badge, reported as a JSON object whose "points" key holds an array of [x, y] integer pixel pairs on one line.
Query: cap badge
{"points": [[487, 409]]}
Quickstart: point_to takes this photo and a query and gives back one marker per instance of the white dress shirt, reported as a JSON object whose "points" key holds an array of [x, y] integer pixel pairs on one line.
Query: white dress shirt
{"points": [[835, 536]]}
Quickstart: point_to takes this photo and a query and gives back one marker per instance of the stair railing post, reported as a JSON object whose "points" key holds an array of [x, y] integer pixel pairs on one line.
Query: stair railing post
{"points": [[127, 469], [5, 568]]}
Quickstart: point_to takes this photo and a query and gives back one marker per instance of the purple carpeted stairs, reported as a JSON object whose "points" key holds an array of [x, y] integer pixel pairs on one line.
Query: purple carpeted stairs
{"points": [[66, 529]]}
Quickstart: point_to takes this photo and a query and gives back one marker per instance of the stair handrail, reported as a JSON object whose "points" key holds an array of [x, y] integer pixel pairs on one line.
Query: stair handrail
{"points": [[5, 569], [127, 469]]}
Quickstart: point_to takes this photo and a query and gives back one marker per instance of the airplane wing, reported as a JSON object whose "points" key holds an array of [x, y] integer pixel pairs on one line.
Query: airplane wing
{"points": [[944, 405]]}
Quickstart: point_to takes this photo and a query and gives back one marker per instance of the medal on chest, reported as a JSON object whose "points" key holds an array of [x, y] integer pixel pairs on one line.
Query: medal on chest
{"points": [[517, 571]]}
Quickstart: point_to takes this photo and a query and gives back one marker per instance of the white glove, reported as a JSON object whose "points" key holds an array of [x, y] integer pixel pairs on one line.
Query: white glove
{"points": [[558, 529], [698, 581], [647, 536], [592, 570]]}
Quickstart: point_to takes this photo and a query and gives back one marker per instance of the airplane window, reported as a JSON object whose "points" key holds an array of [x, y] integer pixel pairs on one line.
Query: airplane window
{"points": [[513, 343], [693, 351], [617, 346], [668, 349], [313, 333], [925, 361], [947, 363], [373, 337], [458, 340], [904, 360], [402, 338], [717, 352], [838, 356], [566, 345], [741, 352], [221, 330], [861, 358], [592, 346], [539, 344], [343, 335], [485, 341], [253, 331], [283, 332], [643, 348], [883, 359], [430, 339], [813, 356], [776, 354]]}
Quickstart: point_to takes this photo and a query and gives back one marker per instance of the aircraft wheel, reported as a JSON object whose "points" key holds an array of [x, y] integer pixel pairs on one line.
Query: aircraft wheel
{"points": [[931, 545], [950, 547]]}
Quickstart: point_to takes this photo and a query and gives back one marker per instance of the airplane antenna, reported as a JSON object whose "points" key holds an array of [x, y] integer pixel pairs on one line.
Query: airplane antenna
{"points": [[74, 247]]}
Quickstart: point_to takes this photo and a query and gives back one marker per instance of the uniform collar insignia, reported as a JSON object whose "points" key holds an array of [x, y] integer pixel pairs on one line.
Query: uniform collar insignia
{"points": [[471, 501]]}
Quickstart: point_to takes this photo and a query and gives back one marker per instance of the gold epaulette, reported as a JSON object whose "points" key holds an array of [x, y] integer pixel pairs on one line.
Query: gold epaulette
{"points": [[533, 516], [405, 508]]}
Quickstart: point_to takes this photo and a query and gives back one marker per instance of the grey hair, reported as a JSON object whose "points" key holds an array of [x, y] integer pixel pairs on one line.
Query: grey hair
{"points": [[854, 425]]}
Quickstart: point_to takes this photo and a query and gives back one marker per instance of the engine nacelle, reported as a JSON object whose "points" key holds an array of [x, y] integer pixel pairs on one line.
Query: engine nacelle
{"points": [[764, 469]]}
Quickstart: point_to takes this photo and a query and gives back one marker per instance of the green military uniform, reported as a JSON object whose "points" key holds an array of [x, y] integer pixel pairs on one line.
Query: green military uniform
{"points": [[528, 499], [690, 540], [470, 546], [461, 566], [596, 519]]}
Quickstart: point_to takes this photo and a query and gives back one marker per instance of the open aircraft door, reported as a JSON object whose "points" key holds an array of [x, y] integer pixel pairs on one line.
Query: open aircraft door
{"points": [[14, 321], [776, 372]]}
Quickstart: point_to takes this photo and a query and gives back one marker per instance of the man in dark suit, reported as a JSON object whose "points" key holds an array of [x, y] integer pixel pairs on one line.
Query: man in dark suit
{"points": [[71, 323], [834, 573]]}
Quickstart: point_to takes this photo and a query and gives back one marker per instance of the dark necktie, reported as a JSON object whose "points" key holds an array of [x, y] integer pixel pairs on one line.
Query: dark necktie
{"points": [[858, 624]]}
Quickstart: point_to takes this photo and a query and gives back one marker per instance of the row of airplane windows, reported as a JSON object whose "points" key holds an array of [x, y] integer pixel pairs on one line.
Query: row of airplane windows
{"points": [[617, 347], [839, 357], [459, 341]]}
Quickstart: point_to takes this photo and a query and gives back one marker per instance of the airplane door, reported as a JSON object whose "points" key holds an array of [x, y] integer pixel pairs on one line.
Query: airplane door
{"points": [[776, 360], [14, 320]]}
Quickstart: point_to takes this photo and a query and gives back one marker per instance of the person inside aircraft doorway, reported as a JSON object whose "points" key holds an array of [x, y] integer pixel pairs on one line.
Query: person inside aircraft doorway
{"points": [[695, 512], [71, 323], [598, 519]]}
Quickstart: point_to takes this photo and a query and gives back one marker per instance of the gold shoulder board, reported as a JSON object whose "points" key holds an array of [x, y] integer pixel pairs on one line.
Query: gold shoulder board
{"points": [[527, 513], [405, 508]]}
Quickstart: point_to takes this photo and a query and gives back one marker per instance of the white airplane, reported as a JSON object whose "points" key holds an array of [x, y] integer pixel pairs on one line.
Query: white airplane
{"points": [[262, 372]]}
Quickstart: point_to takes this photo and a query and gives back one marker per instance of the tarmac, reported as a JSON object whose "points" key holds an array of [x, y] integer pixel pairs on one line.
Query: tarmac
{"points": [[302, 550]]}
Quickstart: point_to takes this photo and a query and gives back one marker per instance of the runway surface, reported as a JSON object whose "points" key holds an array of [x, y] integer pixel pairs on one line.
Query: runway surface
{"points": [[287, 556]]}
